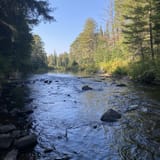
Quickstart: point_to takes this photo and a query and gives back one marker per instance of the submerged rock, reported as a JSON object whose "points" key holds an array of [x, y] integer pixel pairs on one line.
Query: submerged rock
{"points": [[48, 81], [85, 88], [111, 116], [12, 155], [5, 141], [121, 85], [132, 108], [26, 142], [48, 150], [64, 158]]}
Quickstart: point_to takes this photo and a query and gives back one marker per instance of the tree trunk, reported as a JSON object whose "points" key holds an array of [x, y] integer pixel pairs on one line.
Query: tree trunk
{"points": [[151, 33]]}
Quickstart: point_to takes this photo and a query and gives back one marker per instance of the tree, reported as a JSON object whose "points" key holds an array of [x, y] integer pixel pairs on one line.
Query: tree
{"points": [[83, 48], [156, 25], [16, 21], [141, 27], [52, 60], [38, 55]]}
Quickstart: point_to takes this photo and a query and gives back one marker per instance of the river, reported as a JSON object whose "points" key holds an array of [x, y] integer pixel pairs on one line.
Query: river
{"points": [[66, 119]]}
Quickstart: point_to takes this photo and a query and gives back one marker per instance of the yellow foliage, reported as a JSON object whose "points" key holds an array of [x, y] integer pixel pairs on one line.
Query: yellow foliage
{"points": [[111, 66]]}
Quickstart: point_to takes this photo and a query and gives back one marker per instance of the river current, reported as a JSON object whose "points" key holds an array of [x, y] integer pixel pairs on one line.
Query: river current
{"points": [[66, 119]]}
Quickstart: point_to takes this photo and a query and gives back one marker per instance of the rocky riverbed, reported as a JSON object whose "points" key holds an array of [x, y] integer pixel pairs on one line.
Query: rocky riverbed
{"points": [[62, 116]]}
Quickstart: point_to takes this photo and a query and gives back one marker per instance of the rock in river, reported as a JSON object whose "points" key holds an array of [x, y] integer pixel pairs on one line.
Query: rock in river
{"points": [[111, 116], [26, 142], [85, 88], [121, 85]]}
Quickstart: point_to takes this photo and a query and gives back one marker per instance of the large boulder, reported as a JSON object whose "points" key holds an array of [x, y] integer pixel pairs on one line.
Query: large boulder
{"points": [[111, 116], [26, 142], [7, 128], [12, 155], [5, 141]]}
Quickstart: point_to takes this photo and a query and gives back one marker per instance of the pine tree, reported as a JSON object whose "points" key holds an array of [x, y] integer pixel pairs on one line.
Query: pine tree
{"points": [[16, 21], [83, 48]]}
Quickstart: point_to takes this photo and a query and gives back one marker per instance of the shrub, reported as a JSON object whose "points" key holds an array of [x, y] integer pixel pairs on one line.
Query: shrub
{"points": [[145, 72], [120, 71]]}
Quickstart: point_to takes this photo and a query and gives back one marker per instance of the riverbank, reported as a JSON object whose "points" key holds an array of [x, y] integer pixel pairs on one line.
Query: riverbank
{"points": [[15, 137]]}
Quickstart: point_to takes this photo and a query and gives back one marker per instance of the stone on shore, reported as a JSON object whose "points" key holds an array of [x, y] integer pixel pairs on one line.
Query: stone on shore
{"points": [[12, 155], [26, 142], [7, 128], [5, 141]]}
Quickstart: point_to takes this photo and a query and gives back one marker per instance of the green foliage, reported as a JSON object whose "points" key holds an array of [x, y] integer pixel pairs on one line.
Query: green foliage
{"points": [[146, 72], [61, 62], [139, 21], [92, 68], [83, 48], [120, 71], [16, 20], [141, 29], [38, 55], [74, 67], [111, 66], [52, 60]]}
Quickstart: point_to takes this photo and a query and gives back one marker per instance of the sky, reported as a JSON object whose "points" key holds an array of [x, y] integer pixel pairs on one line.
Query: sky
{"points": [[70, 16]]}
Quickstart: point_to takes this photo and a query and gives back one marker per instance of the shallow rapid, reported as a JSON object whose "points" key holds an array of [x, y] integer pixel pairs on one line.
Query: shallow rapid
{"points": [[66, 119]]}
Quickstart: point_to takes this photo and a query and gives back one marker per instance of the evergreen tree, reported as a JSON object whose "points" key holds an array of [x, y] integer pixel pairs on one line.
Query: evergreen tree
{"points": [[38, 55], [16, 21], [83, 48]]}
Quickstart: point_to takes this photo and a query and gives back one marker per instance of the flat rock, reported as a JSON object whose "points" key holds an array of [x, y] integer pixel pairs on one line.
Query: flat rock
{"points": [[5, 141], [111, 116], [26, 142], [12, 155], [7, 128]]}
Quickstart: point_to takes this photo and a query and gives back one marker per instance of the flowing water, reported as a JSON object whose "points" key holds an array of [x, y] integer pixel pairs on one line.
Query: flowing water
{"points": [[67, 119]]}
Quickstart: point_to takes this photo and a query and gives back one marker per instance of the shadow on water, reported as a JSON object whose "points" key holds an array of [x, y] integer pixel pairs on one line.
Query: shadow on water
{"points": [[67, 119]]}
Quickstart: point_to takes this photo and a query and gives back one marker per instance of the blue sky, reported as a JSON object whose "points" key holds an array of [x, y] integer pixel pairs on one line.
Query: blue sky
{"points": [[70, 16]]}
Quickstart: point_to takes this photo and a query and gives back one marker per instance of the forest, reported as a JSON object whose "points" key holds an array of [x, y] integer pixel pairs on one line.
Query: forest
{"points": [[128, 45], [20, 51]]}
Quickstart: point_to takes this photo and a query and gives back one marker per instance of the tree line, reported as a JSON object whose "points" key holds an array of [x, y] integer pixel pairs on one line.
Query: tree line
{"points": [[18, 46], [129, 44]]}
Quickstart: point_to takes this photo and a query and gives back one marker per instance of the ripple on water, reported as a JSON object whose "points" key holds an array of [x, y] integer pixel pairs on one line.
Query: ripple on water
{"points": [[67, 120]]}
